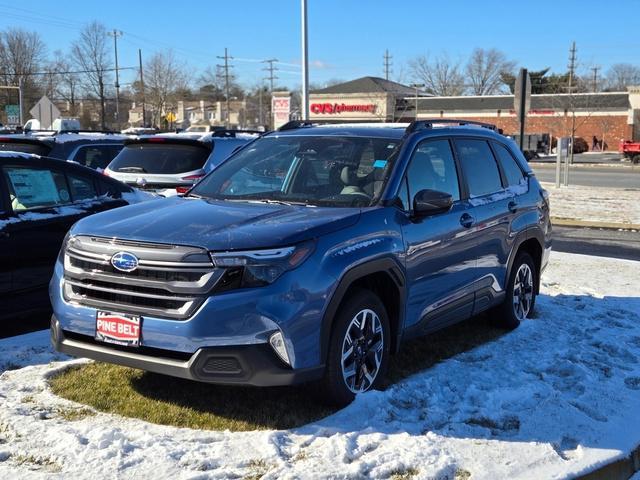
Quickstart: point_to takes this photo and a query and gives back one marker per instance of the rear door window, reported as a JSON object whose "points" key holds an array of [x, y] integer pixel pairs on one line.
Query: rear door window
{"points": [[479, 166], [31, 188], [82, 188], [509, 165], [159, 159]]}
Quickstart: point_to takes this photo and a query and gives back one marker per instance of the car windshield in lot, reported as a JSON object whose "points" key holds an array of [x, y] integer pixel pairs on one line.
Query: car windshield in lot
{"points": [[339, 171], [160, 158], [25, 147]]}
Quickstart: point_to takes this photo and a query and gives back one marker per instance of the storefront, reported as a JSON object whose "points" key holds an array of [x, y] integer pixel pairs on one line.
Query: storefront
{"points": [[366, 99]]}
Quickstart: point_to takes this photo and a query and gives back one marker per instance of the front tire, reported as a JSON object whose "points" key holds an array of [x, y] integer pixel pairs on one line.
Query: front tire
{"points": [[359, 349], [521, 293]]}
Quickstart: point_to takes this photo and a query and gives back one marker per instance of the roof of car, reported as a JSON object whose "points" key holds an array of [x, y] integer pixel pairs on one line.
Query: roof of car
{"points": [[378, 130]]}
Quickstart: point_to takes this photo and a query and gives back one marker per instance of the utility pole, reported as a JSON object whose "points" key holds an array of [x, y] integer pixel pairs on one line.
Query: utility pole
{"points": [[572, 69], [304, 111], [115, 34], [595, 78], [387, 63], [144, 113], [271, 69], [226, 67]]}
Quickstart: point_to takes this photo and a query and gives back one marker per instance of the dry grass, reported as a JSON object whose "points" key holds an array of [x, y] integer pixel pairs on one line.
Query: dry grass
{"points": [[173, 401]]}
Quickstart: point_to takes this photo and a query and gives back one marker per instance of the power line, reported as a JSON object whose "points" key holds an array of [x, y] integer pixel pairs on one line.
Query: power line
{"points": [[64, 72], [226, 67], [387, 63]]}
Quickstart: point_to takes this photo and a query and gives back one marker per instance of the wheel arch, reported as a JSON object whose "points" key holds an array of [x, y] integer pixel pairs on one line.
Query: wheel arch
{"points": [[382, 276], [532, 244]]}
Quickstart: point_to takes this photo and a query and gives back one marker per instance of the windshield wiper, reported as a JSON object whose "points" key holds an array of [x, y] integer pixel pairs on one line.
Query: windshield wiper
{"points": [[277, 202], [132, 169]]}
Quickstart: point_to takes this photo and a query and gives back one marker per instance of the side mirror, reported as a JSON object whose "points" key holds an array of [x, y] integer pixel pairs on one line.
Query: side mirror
{"points": [[429, 202]]}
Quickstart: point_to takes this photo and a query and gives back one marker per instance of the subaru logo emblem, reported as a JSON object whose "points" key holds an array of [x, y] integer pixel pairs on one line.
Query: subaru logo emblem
{"points": [[124, 261]]}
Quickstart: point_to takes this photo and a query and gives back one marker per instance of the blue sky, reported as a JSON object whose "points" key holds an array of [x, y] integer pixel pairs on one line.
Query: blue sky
{"points": [[347, 38]]}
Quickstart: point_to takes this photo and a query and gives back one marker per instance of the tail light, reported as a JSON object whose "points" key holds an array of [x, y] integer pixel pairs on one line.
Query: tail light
{"points": [[182, 190]]}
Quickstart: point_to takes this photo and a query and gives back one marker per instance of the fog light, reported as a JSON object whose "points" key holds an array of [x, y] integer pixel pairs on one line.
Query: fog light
{"points": [[277, 343]]}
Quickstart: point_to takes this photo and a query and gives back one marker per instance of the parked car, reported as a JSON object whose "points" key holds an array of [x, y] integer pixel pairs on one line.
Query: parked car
{"points": [[92, 149], [310, 255], [40, 198], [170, 164]]}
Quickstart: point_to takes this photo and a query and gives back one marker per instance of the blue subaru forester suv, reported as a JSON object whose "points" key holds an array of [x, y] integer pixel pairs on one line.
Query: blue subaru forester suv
{"points": [[310, 254]]}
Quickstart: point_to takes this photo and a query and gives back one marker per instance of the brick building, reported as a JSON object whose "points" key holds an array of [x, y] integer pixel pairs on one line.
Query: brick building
{"points": [[605, 116]]}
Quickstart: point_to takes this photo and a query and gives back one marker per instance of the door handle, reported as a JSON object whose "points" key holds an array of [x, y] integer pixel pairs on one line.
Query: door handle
{"points": [[467, 220], [512, 206]]}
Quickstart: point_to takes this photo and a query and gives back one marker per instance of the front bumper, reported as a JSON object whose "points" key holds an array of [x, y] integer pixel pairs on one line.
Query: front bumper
{"points": [[254, 365]]}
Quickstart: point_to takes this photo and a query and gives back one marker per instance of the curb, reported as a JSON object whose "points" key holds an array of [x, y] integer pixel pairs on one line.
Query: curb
{"points": [[569, 222], [621, 469]]}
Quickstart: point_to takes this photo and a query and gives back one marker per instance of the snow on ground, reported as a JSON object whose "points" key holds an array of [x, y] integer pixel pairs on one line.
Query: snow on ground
{"points": [[599, 204], [557, 397]]}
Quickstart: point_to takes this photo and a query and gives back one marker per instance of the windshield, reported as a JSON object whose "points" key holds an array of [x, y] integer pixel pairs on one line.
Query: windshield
{"points": [[323, 171], [26, 147], [159, 158]]}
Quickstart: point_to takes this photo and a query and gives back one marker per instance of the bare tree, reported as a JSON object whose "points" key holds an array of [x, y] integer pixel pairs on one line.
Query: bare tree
{"points": [[22, 54], [441, 76], [621, 75], [163, 77], [65, 83], [92, 55], [484, 70]]}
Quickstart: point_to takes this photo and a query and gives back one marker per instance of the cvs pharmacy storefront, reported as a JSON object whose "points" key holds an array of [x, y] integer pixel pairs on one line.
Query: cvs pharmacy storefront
{"points": [[366, 99]]}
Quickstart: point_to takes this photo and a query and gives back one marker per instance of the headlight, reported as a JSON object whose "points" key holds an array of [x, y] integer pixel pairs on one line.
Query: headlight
{"points": [[63, 247], [256, 268]]}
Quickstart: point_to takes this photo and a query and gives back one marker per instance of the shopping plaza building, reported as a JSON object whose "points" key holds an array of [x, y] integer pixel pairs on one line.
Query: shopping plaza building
{"points": [[603, 116]]}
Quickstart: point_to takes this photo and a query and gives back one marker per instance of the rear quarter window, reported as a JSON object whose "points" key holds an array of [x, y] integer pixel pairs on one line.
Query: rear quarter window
{"points": [[509, 165], [479, 166]]}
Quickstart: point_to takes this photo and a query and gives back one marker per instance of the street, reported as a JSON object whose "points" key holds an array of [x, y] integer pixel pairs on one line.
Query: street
{"points": [[592, 176], [623, 244]]}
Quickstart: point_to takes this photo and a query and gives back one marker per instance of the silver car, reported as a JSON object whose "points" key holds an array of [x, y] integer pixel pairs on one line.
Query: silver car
{"points": [[171, 164]]}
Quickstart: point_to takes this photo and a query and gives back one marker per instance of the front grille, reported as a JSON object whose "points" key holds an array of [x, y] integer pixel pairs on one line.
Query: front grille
{"points": [[171, 281], [222, 365]]}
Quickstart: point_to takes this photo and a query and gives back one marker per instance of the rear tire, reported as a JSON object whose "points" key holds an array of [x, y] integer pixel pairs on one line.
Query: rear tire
{"points": [[359, 348], [635, 159], [521, 294]]}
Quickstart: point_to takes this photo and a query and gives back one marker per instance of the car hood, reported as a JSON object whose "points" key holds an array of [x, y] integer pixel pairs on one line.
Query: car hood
{"points": [[217, 225]]}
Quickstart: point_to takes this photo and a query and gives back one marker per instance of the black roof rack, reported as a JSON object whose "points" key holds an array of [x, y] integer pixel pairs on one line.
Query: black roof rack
{"points": [[110, 132], [233, 132], [293, 124], [429, 123]]}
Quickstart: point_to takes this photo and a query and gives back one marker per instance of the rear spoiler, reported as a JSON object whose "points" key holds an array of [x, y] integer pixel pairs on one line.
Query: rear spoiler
{"points": [[158, 140]]}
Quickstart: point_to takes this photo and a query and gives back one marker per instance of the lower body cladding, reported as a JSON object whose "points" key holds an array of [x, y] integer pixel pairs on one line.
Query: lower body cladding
{"points": [[228, 340], [255, 365]]}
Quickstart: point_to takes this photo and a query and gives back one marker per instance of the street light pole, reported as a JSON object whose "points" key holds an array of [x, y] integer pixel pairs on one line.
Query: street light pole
{"points": [[305, 63], [417, 86], [116, 34]]}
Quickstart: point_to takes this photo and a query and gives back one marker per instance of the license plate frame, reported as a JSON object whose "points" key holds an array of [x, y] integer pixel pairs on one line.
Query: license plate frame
{"points": [[118, 328]]}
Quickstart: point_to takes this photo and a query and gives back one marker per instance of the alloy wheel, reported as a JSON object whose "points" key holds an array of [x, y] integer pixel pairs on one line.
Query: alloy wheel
{"points": [[362, 350], [523, 292]]}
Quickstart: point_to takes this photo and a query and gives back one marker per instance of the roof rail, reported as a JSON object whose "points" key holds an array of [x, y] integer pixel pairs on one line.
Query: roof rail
{"points": [[429, 123], [111, 132], [293, 124], [233, 132]]}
